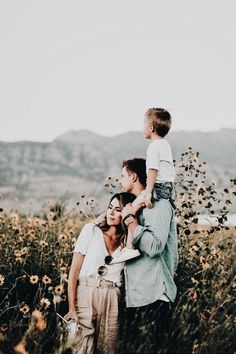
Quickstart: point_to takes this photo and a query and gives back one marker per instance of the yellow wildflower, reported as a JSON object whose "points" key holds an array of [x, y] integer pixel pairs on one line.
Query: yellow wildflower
{"points": [[34, 279], [14, 217], [70, 232], [25, 309], [51, 215], [17, 253], [192, 295], [43, 243], [46, 280], [45, 303], [23, 251], [63, 237], [59, 290], [204, 263], [31, 233], [201, 189]]}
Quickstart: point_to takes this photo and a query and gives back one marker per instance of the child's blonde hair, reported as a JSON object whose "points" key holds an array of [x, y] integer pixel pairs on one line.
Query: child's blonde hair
{"points": [[160, 119]]}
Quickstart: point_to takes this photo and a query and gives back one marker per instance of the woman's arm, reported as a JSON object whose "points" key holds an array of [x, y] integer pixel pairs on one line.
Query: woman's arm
{"points": [[76, 265]]}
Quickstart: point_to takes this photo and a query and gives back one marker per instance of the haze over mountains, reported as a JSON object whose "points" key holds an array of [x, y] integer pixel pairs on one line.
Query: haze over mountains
{"points": [[79, 161]]}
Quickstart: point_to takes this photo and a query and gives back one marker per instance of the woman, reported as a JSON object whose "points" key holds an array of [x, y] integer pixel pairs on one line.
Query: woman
{"points": [[93, 287]]}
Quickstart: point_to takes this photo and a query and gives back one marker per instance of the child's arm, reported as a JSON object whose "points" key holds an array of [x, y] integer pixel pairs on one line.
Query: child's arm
{"points": [[129, 241], [151, 179], [130, 223]]}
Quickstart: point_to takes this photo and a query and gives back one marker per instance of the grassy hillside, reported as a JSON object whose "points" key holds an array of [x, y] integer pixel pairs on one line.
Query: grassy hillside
{"points": [[79, 162]]}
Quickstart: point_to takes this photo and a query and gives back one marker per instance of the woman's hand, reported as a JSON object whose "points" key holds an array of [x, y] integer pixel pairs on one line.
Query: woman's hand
{"points": [[71, 315], [128, 209]]}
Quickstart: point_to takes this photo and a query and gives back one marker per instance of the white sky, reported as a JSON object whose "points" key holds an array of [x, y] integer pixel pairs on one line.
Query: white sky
{"points": [[99, 65]]}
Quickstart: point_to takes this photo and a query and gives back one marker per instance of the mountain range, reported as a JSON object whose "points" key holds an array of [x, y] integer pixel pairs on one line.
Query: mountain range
{"points": [[79, 161]]}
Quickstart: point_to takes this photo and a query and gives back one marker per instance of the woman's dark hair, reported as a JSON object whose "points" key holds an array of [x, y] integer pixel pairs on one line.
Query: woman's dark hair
{"points": [[123, 198]]}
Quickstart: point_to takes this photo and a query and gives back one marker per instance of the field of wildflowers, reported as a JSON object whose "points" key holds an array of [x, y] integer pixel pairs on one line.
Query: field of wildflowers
{"points": [[35, 255]]}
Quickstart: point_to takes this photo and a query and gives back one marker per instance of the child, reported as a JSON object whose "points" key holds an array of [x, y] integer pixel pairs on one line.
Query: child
{"points": [[159, 167], [159, 161]]}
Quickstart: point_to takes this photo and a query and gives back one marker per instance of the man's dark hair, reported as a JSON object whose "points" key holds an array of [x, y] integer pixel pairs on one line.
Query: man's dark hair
{"points": [[138, 166]]}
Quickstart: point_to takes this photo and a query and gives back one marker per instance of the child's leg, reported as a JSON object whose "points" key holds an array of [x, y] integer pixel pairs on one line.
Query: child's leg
{"points": [[162, 191]]}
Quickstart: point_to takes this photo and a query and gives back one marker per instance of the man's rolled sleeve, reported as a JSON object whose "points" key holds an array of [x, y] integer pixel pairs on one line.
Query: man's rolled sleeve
{"points": [[152, 237]]}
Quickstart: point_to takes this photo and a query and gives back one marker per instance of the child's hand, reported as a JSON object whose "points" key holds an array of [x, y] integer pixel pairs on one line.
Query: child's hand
{"points": [[137, 204], [147, 200]]}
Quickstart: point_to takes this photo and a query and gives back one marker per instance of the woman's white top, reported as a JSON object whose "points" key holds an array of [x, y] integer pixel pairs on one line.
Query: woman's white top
{"points": [[159, 157], [92, 245]]}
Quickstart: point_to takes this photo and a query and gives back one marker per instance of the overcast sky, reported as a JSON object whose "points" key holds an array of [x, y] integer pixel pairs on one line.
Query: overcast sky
{"points": [[99, 65]]}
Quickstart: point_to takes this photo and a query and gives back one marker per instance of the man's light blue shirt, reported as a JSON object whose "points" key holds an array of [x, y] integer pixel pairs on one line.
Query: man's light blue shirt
{"points": [[150, 275]]}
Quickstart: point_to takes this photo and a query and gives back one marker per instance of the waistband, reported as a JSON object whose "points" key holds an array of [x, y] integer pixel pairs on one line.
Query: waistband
{"points": [[98, 282], [164, 184]]}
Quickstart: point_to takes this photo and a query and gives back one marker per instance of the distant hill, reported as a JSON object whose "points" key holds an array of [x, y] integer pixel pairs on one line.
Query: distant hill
{"points": [[79, 161]]}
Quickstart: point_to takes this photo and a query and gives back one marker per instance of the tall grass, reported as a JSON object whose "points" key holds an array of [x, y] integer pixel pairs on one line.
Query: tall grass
{"points": [[35, 255]]}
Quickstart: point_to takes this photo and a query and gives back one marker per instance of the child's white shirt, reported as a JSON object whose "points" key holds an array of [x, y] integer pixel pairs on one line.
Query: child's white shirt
{"points": [[159, 157]]}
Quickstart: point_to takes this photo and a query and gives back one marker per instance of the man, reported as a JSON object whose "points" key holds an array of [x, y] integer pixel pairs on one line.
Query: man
{"points": [[149, 282]]}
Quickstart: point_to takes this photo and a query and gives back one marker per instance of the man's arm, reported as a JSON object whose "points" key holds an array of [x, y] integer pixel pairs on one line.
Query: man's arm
{"points": [[151, 238]]}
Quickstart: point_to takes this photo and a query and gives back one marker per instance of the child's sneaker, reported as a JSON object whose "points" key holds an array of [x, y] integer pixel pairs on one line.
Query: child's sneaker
{"points": [[125, 255]]}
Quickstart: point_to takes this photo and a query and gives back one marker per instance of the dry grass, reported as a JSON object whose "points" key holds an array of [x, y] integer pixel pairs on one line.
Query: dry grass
{"points": [[36, 254]]}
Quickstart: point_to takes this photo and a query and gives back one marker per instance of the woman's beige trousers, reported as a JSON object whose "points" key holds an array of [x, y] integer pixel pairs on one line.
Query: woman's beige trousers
{"points": [[97, 309]]}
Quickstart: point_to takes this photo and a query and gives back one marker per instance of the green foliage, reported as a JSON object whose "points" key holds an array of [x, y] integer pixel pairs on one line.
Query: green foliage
{"points": [[35, 255], [35, 258], [204, 315]]}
